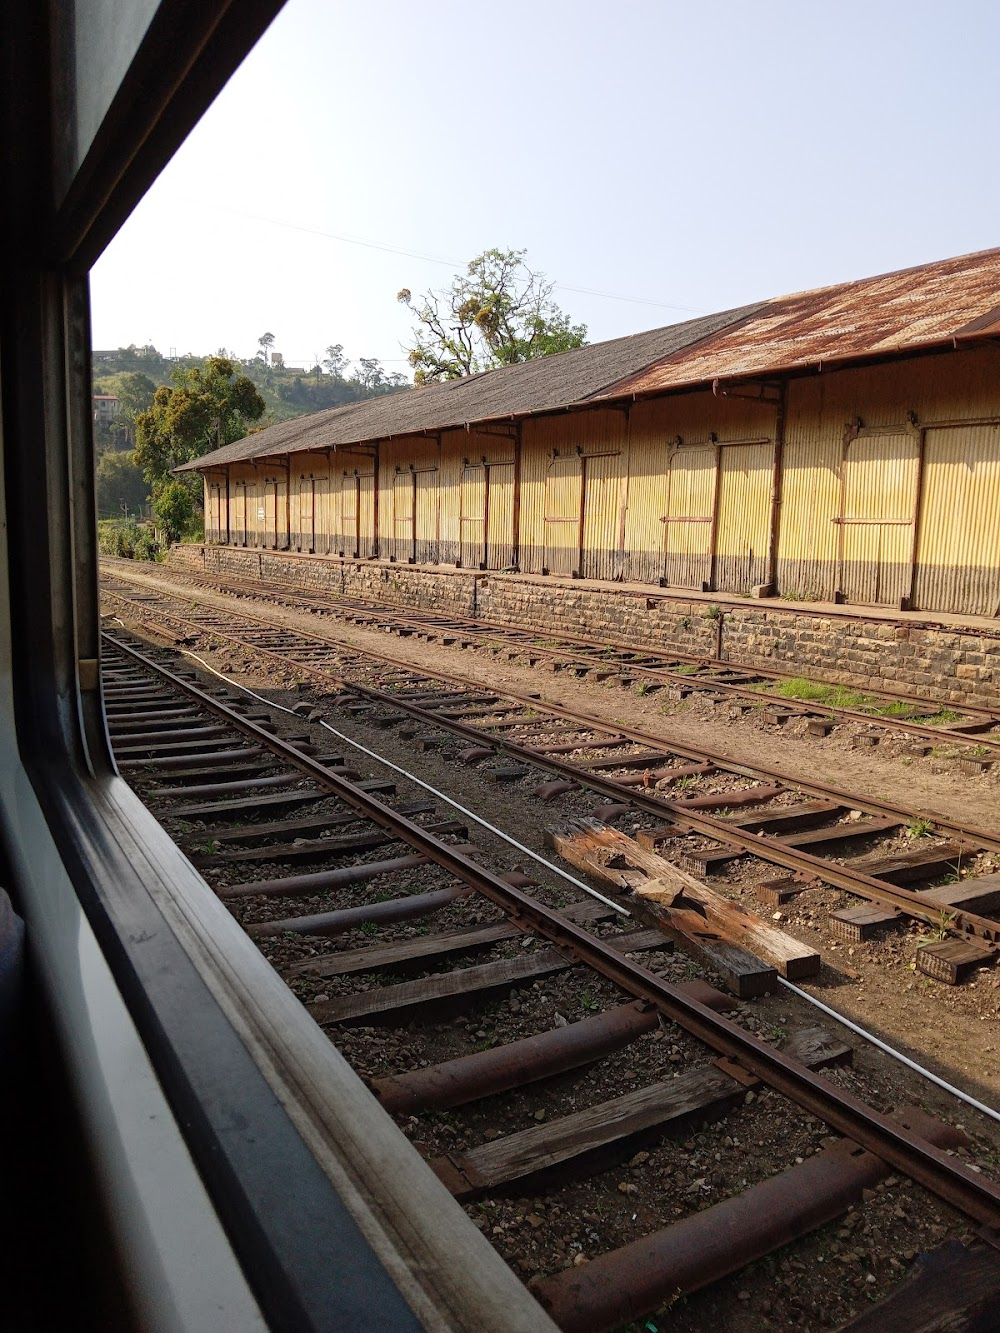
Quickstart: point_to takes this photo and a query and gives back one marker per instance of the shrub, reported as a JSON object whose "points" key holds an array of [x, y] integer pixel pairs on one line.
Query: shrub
{"points": [[127, 539], [146, 546], [174, 509]]}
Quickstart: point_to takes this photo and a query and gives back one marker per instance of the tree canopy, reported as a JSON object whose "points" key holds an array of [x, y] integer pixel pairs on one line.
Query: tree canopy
{"points": [[336, 362], [120, 485], [497, 313], [135, 392], [206, 409]]}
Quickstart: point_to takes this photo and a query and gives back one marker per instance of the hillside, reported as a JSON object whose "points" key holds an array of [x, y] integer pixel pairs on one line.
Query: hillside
{"points": [[134, 373], [288, 392]]}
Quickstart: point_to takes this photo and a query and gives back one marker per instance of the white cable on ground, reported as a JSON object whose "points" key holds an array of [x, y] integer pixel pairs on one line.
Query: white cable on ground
{"points": [[891, 1050], [372, 754], [804, 995]]}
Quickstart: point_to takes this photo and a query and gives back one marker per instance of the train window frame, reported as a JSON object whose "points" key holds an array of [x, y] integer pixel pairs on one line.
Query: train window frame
{"points": [[341, 1249]]}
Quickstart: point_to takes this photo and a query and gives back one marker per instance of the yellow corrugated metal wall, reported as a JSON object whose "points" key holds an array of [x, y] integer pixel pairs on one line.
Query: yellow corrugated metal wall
{"points": [[243, 504], [881, 464], [680, 486], [828, 465], [553, 477], [958, 553], [476, 498], [410, 523], [309, 502], [348, 525]]}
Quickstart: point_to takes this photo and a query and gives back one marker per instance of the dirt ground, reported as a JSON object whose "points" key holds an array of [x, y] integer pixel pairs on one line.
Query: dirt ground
{"points": [[931, 784]]}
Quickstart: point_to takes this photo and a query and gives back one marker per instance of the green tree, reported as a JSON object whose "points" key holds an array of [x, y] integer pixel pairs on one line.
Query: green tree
{"points": [[135, 392], [206, 409], [266, 342], [335, 361], [120, 485], [371, 375], [173, 509], [497, 313]]}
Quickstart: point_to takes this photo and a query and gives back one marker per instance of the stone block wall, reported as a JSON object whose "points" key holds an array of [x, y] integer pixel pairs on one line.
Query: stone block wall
{"points": [[906, 653]]}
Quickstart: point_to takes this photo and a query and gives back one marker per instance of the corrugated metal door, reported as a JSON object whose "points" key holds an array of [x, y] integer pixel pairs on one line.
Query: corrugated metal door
{"points": [[270, 512], [472, 517], [322, 515], [499, 515], [563, 496], [958, 553], [877, 517], [240, 496], [743, 518], [349, 507], [427, 544], [214, 513], [403, 506], [366, 514], [281, 515], [307, 514], [687, 524], [602, 515]]}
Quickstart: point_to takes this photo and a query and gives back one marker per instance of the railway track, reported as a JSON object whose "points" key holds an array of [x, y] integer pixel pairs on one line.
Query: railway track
{"points": [[538, 1048], [731, 825], [781, 696]]}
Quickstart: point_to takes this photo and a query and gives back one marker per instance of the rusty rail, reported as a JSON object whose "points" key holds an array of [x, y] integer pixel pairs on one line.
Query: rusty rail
{"points": [[893, 1142]]}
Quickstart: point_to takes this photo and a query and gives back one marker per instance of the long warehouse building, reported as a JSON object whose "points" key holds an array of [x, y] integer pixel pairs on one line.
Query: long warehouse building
{"points": [[839, 445]]}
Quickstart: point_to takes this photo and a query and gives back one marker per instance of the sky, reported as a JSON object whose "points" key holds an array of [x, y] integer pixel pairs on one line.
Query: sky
{"points": [[658, 159]]}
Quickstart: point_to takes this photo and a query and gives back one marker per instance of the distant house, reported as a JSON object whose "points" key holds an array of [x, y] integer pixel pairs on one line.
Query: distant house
{"points": [[106, 408]]}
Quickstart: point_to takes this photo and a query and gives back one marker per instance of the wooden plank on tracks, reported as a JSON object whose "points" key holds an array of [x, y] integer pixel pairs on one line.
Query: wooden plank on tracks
{"points": [[592, 1132], [684, 903]]}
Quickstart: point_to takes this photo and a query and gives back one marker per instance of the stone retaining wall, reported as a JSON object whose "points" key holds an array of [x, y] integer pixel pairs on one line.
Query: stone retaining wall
{"points": [[905, 653]]}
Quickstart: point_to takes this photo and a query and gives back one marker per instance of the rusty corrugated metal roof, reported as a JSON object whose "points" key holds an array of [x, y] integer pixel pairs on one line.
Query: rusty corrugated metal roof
{"points": [[913, 308], [547, 383]]}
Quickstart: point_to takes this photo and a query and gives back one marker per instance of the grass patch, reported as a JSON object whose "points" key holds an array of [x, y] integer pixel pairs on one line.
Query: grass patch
{"points": [[835, 696]]}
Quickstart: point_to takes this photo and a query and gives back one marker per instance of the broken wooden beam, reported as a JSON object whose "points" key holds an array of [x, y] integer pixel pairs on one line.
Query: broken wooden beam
{"points": [[705, 921]]}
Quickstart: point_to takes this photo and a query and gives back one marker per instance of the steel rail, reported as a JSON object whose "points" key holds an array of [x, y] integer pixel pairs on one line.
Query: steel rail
{"points": [[587, 721], [909, 1154], [485, 630], [843, 877]]}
